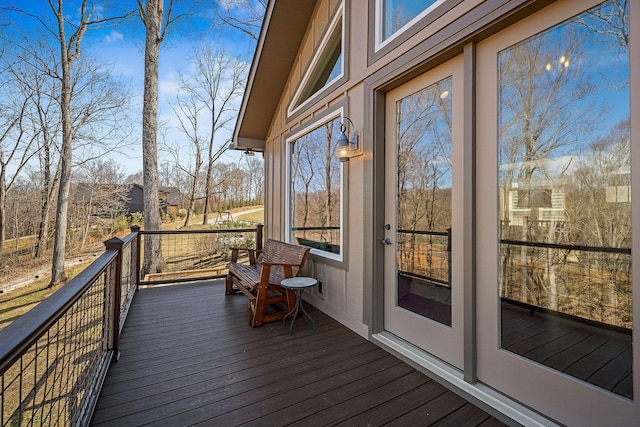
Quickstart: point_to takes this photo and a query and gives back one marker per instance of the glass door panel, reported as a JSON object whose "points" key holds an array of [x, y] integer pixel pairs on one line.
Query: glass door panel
{"points": [[423, 200], [565, 205]]}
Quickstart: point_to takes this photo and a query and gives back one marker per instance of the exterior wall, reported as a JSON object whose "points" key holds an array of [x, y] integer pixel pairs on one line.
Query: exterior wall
{"points": [[135, 203], [344, 289], [352, 289]]}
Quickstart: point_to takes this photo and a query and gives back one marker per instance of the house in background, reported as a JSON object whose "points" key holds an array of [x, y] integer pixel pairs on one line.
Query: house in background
{"points": [[169, 199], [386, 126]]}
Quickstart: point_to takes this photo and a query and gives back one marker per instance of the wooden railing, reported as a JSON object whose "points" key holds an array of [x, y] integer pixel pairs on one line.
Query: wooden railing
{"points": [[54, 358], [188, 255]]}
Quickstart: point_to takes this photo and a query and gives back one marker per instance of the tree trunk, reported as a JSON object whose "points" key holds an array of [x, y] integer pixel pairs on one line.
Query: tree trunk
{"points": [[192, 199], [50, 188], [152, 21], [58, 274], [3, 201], [208, 189]]}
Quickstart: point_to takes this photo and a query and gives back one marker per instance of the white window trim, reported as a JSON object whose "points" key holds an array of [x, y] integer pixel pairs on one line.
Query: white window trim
{"points": [[292, 109], [380, 43], [339, 113]]}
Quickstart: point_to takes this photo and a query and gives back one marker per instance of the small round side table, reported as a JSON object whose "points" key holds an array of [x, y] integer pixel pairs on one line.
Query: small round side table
{"points": [[298, 284]]}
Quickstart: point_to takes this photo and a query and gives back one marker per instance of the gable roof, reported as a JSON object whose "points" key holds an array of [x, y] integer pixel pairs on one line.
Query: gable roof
{"points": [[283, 29]]}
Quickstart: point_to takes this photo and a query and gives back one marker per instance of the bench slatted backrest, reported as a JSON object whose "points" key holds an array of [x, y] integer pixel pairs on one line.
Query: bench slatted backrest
{"points": [[282, 252]]}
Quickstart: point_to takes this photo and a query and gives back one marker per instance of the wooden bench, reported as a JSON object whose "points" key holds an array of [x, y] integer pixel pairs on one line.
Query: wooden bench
{"points": [[260, 279]]}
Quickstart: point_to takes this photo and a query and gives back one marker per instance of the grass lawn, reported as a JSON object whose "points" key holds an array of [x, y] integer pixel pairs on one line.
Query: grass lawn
{"points": [[19, 301], [15, 303], [257, 216]]}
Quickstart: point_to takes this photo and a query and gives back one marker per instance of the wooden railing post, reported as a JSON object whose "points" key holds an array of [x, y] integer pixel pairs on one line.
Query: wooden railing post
{"points": [[116, 282], [259, 228], [136, 263]]}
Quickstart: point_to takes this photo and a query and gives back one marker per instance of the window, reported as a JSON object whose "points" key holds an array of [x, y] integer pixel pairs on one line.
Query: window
{"points": [[396, 15], [564, 157], [316, 189], [325, 67]]}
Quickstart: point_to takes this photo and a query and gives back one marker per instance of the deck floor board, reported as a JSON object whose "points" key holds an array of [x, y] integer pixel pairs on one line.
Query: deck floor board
{"points": [[188, 356]]}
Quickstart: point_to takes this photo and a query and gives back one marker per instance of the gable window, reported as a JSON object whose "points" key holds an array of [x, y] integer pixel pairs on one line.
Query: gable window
{"points": [[394, 16], [316, 189], [325, 67]]}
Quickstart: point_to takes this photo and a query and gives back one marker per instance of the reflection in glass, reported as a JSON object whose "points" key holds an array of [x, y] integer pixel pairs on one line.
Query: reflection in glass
{"points": [[397, 13], [565, 211], [424, 201], [315, 189]]}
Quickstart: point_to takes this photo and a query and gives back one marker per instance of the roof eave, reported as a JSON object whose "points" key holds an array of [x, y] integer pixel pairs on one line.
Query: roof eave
{"points": [[283, 29]]}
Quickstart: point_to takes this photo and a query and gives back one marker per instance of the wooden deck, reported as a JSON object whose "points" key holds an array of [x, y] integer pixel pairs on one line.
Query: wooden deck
{"points": [[189, 356]]}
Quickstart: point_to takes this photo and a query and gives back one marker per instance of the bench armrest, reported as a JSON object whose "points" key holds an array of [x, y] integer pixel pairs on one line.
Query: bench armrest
{"points": [[281, 264], [253, 254]]}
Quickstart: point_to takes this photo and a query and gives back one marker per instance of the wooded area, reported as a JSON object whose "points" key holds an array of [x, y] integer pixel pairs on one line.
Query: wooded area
{"points": [[66, 118]]}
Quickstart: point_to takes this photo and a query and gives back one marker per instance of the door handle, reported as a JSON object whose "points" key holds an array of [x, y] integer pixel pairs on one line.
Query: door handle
{"points": [[386, 241]]}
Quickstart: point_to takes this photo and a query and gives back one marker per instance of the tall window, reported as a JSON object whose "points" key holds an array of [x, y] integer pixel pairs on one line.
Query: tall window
{"points": [[564, 183], [316, 189]]}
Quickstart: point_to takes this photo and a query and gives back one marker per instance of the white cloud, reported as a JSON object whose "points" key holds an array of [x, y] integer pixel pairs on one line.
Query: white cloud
{"points": [[168, 86], [113, 36]]}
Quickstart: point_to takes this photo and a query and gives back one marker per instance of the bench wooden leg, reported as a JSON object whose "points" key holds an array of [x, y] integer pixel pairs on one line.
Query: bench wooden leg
{"points": [[250, 312], [228, 285], [259, 305]]}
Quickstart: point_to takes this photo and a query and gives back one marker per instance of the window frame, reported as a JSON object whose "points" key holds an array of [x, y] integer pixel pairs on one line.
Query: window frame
{"points": [[378, 48], [305, 129], [380, 42]]}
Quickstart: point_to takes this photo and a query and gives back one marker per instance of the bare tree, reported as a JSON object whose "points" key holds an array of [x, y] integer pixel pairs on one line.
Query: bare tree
{"points": [[157, 20], [43, 120], [424, 170], [254, 181], [537, 118], [611, 20], [188, 112], [219, 80], [245, 16], [73, 77], [15, 141], [97, 197], [551, 100]]}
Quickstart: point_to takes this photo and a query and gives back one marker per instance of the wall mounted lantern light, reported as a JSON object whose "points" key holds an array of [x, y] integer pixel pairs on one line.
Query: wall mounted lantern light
{"points": [[347, 147]]}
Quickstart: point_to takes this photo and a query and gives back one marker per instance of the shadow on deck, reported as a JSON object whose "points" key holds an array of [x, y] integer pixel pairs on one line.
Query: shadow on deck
{"points": [[189, 356]]}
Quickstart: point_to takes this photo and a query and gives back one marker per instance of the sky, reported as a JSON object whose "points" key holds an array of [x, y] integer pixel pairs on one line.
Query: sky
{"points": [[121, 49]]}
